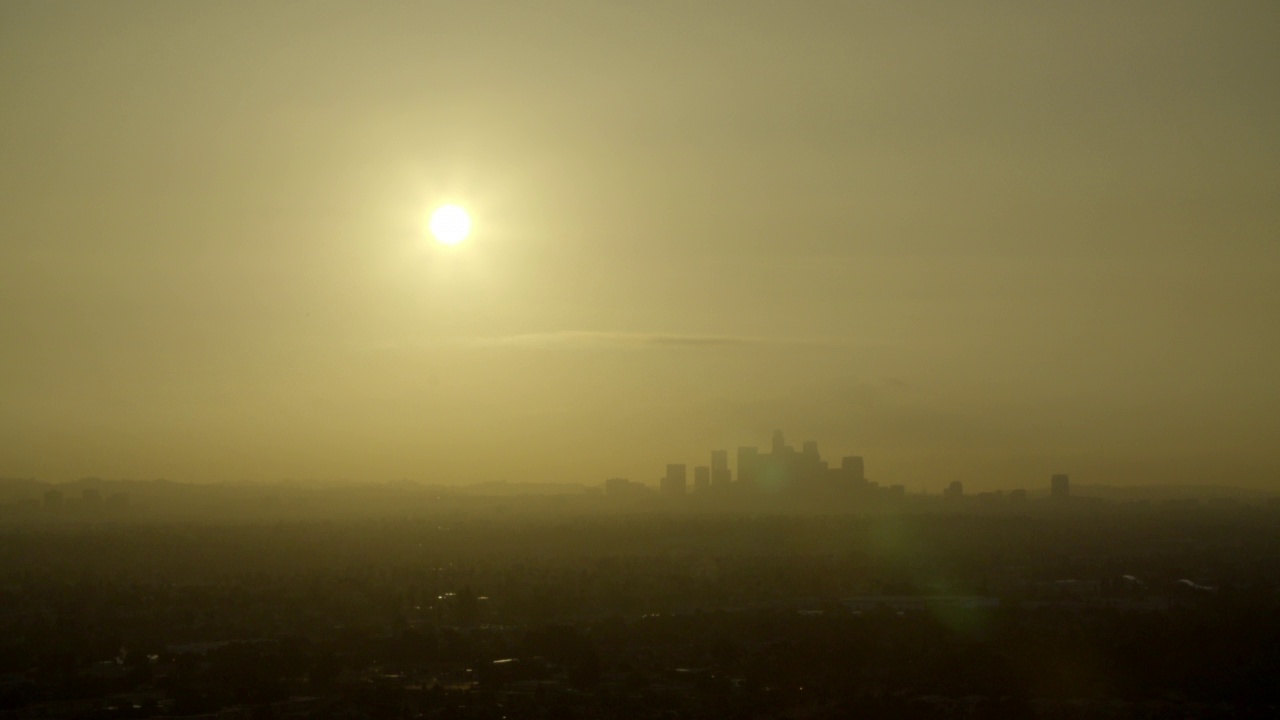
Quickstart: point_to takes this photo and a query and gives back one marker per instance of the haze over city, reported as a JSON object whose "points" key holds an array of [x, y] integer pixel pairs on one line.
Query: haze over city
{"points": [[639, 359], [978, 242]]}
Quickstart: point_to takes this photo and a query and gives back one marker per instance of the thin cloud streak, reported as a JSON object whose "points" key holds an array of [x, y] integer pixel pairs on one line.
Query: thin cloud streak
{"points": [[587, 339]]}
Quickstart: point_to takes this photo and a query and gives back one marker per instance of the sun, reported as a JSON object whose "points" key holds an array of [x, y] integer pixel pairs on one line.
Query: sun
{"points": [[450, 224]]}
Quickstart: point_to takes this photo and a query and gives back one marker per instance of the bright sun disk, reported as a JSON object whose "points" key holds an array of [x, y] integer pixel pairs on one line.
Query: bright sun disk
{"points": [[450, 224]]}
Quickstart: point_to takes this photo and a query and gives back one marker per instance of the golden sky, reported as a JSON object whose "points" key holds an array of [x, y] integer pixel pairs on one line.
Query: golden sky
{"points": [[977, 241]]}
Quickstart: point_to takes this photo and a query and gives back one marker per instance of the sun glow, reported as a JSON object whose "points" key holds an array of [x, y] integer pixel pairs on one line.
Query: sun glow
{"points": [[449, 224]]}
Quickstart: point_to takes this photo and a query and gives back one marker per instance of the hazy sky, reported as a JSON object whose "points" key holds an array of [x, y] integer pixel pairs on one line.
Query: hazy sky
{"points": [[977, 241]]}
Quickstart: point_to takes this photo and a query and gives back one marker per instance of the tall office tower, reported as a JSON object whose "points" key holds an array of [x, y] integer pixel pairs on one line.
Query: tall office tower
{"points": [[676, 481], [779, 443], [701, 479], [1060, 486], [810, 451], [748, 467], [720, 469], [852, 467]]}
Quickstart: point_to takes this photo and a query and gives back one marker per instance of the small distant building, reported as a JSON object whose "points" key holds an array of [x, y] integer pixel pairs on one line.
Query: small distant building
{"points": [[676, 481], [622, 487], [1060, 486], [1018, 495], [954, 491]]}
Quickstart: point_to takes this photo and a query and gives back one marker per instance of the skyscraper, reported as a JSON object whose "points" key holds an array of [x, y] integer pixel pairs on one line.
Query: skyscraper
{"points": [[748, 466], [701, 479], [779, 443], [852, 467], [720, 470]]}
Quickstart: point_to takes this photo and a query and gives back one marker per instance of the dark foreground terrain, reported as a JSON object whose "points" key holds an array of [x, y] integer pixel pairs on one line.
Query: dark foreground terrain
{"points": [[1152, 612]]}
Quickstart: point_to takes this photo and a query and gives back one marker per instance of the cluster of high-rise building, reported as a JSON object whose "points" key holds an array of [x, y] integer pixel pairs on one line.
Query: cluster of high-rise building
{"points": [[781, 470], [786, 471]]}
